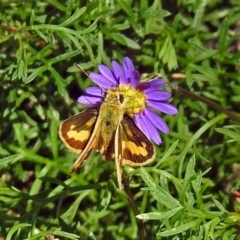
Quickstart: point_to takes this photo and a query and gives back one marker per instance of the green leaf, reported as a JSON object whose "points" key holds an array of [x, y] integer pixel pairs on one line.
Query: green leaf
{"points": [[43, 36], [125, 7], [36, 73], [125, 41], [58, 5], [3, 152], [219, 206], [16, 228], [22, 70], [199, 13], [164, 48], [166, 156], [207, 53], [159, 215], [190, 169], [8, 192], [157, 192], [56, 233], [65, 56], [10, 159], [233, 135], [168, 54], [32, 18], [161, 13], [223, 37], [74, 208], [77, 14], [180, 229], [198, 189], [232, 218], [172, 58], [60, 82], [209, 73]]}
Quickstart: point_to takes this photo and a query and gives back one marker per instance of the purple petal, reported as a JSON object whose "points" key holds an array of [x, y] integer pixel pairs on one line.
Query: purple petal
{"points": [[141, 124], [96, 91], [163, 107], [158, 95], [90, 100], [135, 78], [100, 80], [152, 85], [157, 83], [107, 73], [155, 136], [118, 72], [128, 68], [157, 121]]}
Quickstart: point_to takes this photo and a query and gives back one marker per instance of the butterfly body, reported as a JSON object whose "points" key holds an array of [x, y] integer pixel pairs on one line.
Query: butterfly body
{"points": [[111, 112]]}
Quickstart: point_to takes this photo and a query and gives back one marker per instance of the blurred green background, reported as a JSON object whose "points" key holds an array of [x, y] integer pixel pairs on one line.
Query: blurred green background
{"points": [[191, 189]]}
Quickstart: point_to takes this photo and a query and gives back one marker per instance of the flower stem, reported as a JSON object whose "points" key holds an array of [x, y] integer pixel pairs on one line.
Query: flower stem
{"points": [[130, 197], [209, 102]]}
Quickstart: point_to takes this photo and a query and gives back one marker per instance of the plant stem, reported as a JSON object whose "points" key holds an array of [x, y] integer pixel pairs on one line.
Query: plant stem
{"points": [[209, 102]]}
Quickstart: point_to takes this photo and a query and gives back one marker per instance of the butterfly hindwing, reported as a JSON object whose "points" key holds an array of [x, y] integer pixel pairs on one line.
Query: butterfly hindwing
{"points": [[135, 149]]}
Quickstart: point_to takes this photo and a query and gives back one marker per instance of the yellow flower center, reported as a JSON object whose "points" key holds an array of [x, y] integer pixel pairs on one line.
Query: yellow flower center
{"points": [[132, 99]]}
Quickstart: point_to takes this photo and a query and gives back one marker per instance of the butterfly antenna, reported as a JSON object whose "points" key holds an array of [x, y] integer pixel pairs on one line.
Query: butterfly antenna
{"points": [[148, 79], [81, 69]]}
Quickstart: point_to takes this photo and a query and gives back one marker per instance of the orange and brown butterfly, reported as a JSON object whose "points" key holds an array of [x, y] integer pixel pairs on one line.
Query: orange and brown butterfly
{"points": [[119, 122]]}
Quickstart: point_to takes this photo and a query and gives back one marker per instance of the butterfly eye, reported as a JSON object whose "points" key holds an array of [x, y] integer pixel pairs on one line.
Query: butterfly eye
{"points": [[121, 98], [104, 95]]}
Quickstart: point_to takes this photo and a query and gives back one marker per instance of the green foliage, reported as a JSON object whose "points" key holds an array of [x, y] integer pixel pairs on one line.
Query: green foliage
{"points": [[190, 191]]}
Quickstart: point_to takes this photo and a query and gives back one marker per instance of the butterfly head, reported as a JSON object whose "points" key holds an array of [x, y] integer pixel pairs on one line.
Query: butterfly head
{"points": [[130, 98]]}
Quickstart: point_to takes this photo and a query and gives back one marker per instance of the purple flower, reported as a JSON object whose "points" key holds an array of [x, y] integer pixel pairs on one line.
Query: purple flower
{"points": [[141, 98]]}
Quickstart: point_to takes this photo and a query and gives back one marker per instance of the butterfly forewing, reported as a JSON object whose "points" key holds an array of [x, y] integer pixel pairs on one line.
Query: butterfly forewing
{"points": [[134, 147], [76, 131], [99, 139]]}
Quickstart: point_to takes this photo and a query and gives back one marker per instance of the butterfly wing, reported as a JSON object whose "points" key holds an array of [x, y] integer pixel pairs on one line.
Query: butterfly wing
{"points": [[135, 149], [131, 147], [76, 131], [94, 132]]}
